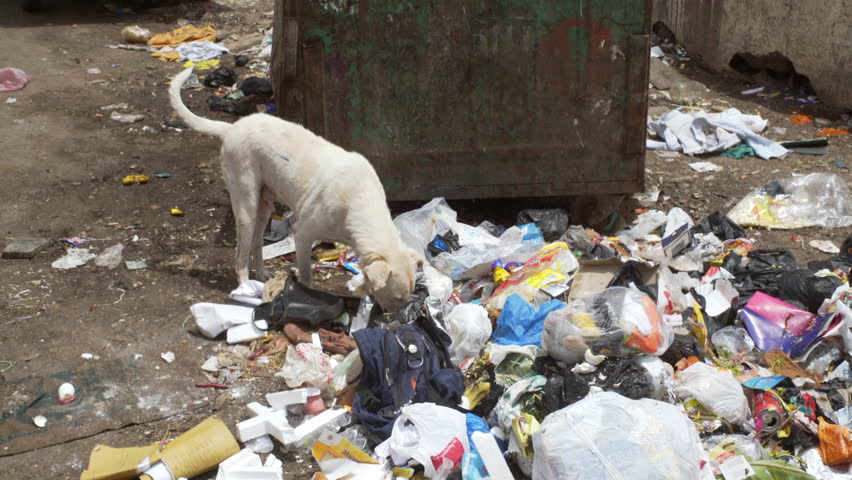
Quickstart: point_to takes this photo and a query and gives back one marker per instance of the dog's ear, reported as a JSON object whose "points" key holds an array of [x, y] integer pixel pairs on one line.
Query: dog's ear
{"points": [[377, 273], [418, 260]]}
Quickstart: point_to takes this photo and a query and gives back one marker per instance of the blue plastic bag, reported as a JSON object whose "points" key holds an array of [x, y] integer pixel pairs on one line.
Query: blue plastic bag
{"points": [[472, 466], [520, 324]]}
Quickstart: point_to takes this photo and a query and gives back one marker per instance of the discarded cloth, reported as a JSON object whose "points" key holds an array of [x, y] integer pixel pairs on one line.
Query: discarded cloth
{"points": [[12, 79], [739, 151], [203, 65], [185, 34], [201, 51], [700, 132]]}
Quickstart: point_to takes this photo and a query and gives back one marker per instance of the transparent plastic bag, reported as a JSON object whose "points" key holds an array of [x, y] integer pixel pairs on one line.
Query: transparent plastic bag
{"points": [[306, 364], [717, 390], [110, 258], [469, 329], [814, 200], [418, 227], [732, 341], [554, 263], [618, 322], [479, 249], [608, 436], [433, 435]]}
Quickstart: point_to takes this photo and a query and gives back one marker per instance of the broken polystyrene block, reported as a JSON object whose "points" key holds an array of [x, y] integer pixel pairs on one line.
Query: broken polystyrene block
{"points": [[246, 465], [246, 332], [214, 318], [313, 426], [281, 400], [243, 458], [491, 456], [266, 422], [253, 473]]}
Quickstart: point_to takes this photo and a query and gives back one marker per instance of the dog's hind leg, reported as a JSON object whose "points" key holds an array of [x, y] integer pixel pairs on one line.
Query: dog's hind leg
{"points": [[265, 207], [245, 197]]}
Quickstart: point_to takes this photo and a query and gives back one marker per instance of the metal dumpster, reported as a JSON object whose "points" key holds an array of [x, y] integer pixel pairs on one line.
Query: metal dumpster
{"points": [[473, 98]]}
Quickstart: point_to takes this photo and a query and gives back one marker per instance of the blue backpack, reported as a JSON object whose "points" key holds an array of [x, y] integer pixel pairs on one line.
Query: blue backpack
{"points": [[401, 366]]}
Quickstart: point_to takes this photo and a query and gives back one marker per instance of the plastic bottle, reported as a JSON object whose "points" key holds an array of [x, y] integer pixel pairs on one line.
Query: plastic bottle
{"points": [[689, 92]]}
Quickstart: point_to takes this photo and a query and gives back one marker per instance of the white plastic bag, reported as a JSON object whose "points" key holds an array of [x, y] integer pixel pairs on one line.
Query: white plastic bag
{"points": [[439, 285], [469, 329], [674, 295], [840, 304], [717, 390], [433, 435], [306, 363], [418, 227], [608, 436], [818, 199], [74, 257], [110, 258]]}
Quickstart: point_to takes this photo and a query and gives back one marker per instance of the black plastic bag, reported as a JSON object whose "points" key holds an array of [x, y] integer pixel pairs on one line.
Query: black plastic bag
{"points": [[840, 262], [630, 274], [256, 86], [720, 225], [806, 290], [552, 222], [220, 76], [448, 242], [219, 104], [762, 273], [240, 60]]}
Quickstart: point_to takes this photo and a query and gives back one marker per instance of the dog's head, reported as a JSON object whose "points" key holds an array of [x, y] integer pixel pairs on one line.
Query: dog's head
{"points": [[390, 277]]}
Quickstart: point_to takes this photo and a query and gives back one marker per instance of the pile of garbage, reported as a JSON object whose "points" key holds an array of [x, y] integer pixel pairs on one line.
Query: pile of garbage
{"points": [[671, 349], [240, 88]]}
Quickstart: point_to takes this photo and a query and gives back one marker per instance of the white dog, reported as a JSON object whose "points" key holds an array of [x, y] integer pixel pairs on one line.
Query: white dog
{"points": [[335, 195]]}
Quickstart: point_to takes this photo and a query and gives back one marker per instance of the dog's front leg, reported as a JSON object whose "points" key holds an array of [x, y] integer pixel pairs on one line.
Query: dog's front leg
{"points": [[304, 244]]}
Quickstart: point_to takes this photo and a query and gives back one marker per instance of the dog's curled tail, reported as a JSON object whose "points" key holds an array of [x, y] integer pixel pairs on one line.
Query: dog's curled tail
{"points": [[203, 125]]}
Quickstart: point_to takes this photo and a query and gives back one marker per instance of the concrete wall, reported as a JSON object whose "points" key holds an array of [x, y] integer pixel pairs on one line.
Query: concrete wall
{"points": [[816, 35]]}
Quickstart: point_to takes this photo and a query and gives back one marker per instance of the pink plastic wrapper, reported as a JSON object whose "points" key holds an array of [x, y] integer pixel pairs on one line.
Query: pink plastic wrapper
{"points": [[12, 79], [777, 325]]}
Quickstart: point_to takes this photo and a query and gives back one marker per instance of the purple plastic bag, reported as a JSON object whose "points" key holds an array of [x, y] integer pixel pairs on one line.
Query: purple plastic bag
{"points": [[776, 325]]}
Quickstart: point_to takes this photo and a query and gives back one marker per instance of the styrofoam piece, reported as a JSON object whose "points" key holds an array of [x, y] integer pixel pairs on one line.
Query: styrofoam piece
{"points": [[261, 444], [214, 318], [253, 473], [243, 458], [246, 465], [246, 332], [312, 426], [491, 456], [267, 421], [281, 400]]}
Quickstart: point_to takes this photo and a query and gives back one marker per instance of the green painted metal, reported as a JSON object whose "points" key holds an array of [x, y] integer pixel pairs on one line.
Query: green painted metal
{"points": [[476, 98]]}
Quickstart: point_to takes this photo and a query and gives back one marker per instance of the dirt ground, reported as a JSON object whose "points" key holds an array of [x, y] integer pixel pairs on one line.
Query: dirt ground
{"points": [[60, 176]]}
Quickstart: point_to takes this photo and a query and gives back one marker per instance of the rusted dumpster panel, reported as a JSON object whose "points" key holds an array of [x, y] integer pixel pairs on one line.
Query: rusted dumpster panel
{"points": [[473, 98]]}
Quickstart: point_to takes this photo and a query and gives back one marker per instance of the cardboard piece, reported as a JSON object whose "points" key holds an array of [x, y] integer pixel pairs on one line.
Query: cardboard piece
{"points": [[592, 279], [339, 458]]}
